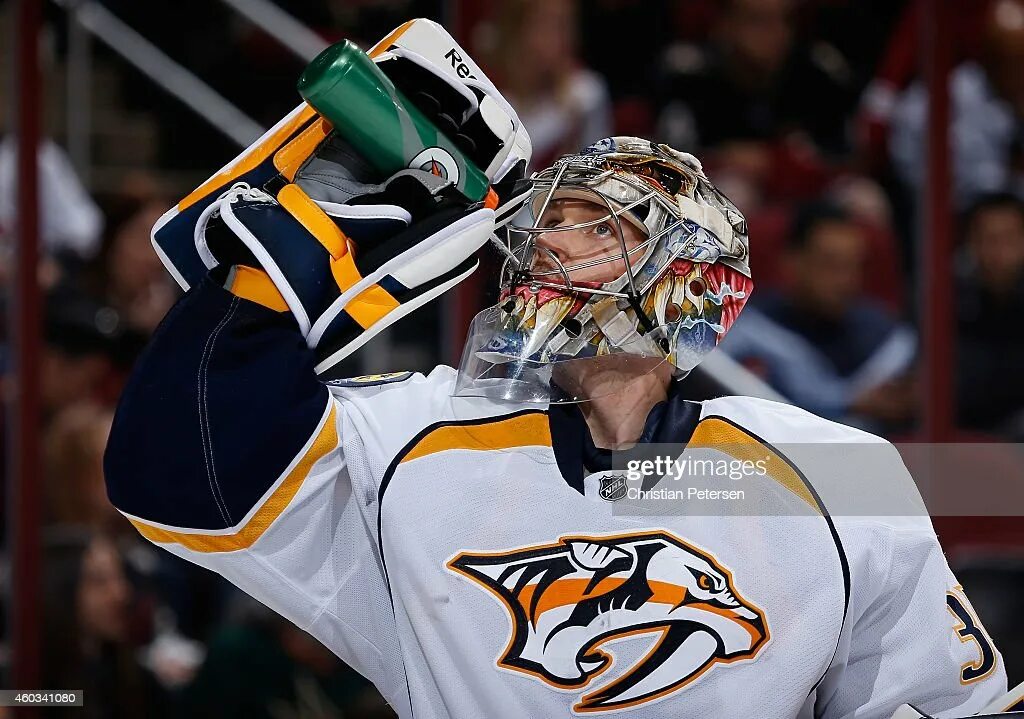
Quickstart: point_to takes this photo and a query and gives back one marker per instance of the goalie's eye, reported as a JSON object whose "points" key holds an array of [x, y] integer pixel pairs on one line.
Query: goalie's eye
{"points": [[604, 230]]}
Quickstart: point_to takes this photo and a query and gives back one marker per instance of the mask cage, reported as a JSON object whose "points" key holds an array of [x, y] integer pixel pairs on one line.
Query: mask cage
{"points": [[581, 177]]}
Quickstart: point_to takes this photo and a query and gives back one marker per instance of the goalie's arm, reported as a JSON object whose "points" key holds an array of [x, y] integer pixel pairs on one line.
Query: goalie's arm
{"points": [[225, 405], [221, 423], [227, 450], [911, 635]]}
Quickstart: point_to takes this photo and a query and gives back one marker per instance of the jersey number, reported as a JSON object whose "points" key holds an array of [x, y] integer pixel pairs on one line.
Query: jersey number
{"points": [[970, 629]]}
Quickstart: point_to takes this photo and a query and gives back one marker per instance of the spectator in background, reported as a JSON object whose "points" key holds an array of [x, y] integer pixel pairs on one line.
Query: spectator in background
{"points": [[134, 282], [989, 306], [76, 500], [79, 342], [563, 105], [87, 643], [70, 221], [987, 104], [769, 114], [264, 667], [73, 446], [627, 71], [820, 341], [752, 86]]}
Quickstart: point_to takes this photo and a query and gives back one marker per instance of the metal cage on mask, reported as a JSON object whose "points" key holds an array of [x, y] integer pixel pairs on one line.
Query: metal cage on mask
{"points": [[546, 338]]}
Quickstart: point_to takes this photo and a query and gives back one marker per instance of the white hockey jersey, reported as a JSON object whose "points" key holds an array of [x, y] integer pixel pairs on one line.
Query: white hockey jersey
{"points": [[432, 543]]}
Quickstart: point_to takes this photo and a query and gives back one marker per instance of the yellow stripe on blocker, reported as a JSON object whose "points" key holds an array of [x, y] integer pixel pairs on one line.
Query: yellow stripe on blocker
{"points": [[371, 304], [317, 222], [290, 157], [256, 286], [250, 158], [385, 43]]}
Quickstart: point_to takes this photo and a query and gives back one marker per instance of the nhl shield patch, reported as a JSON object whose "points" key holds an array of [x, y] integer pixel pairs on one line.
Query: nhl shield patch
{"points": [[612, 487]]}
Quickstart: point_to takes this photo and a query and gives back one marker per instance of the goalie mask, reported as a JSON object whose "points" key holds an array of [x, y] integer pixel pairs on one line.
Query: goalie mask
{"points": [[656, 272]]}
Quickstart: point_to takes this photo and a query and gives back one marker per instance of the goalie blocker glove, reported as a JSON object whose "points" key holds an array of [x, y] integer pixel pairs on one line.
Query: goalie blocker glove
{"points": [[347, 258], [354, 256], [426, 64]]}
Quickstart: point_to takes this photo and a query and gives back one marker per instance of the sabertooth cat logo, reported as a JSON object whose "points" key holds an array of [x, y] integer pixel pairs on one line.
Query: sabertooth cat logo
{"points": [[568, 599]]}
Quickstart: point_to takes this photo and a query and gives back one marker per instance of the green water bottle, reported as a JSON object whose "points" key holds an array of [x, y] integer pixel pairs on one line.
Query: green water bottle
{"points": [[345, 86]]}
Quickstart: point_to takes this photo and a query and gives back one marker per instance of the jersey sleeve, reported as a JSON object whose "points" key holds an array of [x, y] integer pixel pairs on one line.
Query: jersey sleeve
{"points": [[226, 450], [911, 635]]}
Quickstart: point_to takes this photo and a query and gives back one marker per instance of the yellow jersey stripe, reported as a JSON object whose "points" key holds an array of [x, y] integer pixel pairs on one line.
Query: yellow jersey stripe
{"points": [[721, 435], [325, 441], [522, 431]]}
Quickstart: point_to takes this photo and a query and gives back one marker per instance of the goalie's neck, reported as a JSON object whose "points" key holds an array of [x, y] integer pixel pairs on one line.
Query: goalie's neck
{"points": [[616, 421], [579, 453]]}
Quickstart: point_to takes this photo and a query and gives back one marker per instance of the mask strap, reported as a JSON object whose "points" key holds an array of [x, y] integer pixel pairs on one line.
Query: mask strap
{"points": [[620, 331]]}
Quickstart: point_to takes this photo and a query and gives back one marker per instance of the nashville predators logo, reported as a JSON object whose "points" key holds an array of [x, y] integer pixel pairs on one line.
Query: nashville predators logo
{"points": [[569, 599]]}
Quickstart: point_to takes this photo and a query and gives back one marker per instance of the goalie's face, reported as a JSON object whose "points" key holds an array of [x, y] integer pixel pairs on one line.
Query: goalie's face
{"points": [[584, 242], [619, 268]]}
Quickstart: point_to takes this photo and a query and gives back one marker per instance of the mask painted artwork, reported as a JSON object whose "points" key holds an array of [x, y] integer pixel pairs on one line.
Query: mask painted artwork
{"points": [[651, 262], [697, 303]]}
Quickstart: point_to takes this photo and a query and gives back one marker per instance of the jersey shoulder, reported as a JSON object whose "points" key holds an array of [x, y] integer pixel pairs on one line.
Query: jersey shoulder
{"points": [[370, 380], [387, 409], [778, 422], [373, 385], [382, 415], [856, 476], [397, 399]]}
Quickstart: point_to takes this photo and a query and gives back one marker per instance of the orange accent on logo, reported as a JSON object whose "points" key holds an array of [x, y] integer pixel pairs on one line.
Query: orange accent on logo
{"points": [[572, 591]]}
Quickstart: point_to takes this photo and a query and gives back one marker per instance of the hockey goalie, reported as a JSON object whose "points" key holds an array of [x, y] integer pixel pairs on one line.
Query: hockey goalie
{"points": [[452, 536]]}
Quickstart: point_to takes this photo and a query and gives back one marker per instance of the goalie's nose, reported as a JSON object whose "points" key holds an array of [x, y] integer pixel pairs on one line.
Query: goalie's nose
{"points": [[548, 253]]}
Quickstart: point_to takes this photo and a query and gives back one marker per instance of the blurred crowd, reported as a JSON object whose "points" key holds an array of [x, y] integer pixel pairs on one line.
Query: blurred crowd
{"points": [[809, 114]]}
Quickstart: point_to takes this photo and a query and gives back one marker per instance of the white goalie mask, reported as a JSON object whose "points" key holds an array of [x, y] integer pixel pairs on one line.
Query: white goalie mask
{"points": [[556, 337]]}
